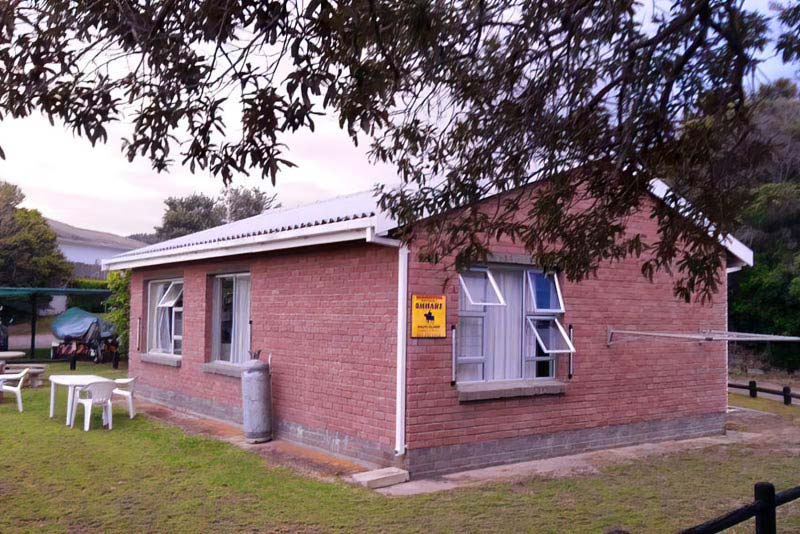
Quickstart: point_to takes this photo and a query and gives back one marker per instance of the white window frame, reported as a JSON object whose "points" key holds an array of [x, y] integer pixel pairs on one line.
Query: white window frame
{"points": [[532, 323], [467, 360], [530, 275], [215, 351], [540, 353], [489, 276], [161, 304], [174, 322], [164, 303]]}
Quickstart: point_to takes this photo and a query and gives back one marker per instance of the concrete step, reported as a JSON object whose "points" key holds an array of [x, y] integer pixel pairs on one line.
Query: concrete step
{"points": [[381, 478]]}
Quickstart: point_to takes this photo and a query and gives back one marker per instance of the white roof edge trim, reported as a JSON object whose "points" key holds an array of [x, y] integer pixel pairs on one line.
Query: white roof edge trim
{"points": [[738, 249], [302, 237]]}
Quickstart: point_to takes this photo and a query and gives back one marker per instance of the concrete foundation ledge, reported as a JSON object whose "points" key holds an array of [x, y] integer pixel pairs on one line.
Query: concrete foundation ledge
{"points": [[169, 360], [191, 404], [432, 461], [503, 389], [223, 368], [381, 478]]}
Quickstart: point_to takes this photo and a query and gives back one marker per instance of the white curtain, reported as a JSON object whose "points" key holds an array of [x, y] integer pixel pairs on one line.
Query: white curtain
{"points": [[156, 317], [216, 320], [240, 344], [163, 336], [504, 328]]}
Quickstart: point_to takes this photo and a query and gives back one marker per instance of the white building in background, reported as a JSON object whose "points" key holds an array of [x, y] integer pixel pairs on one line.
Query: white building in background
{"points": [[85, 249]]}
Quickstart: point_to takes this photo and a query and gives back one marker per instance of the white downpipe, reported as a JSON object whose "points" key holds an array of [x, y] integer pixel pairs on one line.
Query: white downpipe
{"points": [[402, 332], [402, 322]]}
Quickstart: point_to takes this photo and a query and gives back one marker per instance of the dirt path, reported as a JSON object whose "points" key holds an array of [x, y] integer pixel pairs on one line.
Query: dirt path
{"points": [[23, 341]]}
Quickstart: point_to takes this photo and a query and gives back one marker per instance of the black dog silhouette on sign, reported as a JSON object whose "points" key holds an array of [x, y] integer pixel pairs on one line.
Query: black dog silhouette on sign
{"points": [[429, 317]]}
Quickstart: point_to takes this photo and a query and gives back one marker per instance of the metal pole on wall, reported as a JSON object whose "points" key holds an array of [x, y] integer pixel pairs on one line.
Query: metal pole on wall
{"points": [[34, 312]]}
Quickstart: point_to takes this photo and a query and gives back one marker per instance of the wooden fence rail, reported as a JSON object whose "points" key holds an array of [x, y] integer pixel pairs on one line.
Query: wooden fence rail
{"points": [[763, 509], [752, 386]]}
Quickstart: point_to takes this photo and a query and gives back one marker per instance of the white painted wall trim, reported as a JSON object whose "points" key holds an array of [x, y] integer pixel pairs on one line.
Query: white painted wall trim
{"points": [[302, 237]]}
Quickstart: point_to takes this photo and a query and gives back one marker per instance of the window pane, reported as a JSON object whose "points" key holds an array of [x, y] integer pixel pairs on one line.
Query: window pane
{"points": [[225, 317], [163, 341], [470, 337], [469, 372], [178, 346], [544, 292], [550, 337], [155, 293], [172, 295], [544, 369], [178, 319], [478, 290], [531, 345]]}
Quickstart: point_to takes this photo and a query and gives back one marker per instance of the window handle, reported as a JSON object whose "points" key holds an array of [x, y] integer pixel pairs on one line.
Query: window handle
{"points": [[571, 368], [453, 335], [138, 334]]}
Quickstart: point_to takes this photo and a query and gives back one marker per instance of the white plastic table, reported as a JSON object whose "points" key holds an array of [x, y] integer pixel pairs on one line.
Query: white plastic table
{"points": [[70, 382], [10, 354]]}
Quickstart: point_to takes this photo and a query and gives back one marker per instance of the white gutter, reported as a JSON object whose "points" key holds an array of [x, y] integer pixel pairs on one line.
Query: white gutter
{"points": [[742, 252], [352, 230], [402, 331]]}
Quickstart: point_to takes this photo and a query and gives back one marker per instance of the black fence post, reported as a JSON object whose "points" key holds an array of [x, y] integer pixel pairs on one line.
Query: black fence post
{"points": [[753, 391], [787, 395], [765, 518]]}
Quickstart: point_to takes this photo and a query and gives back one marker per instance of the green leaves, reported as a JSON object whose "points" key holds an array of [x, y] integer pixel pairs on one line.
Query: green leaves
{"points": [[119, 306], [465, 98], [29, 255]]}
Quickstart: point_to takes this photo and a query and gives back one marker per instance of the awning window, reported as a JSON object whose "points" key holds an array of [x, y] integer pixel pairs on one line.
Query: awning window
{"points": [[172, 295], [481, 289], [545, 292], [550, 335]]}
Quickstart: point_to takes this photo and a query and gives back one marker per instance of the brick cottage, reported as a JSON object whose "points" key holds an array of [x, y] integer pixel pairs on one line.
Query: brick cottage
{"points": [[522, 370]]}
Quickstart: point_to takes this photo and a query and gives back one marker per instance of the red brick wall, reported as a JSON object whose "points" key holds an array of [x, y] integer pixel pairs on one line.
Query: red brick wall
{"points": [[327, 315], [632, 382]]}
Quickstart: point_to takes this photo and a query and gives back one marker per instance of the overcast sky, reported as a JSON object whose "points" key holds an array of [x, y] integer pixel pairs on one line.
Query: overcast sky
{"points": [[69, 180]]}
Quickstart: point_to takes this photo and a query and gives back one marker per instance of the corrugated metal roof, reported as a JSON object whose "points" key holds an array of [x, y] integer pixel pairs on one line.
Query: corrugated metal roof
{"points": [[315, 217], [356, 206]]}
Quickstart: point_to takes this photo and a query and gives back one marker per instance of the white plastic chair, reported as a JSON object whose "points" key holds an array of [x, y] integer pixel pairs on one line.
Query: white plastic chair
{"points": [[124, 389], [16, 390], [97, 394]]}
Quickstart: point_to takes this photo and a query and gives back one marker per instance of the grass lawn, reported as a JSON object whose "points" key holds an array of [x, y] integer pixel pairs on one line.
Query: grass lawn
{"points": [[146, 477]]}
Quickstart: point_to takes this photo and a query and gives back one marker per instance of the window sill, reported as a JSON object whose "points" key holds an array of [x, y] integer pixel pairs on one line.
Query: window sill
{"points": [[170, 360], [223, 368], [503, 389]]}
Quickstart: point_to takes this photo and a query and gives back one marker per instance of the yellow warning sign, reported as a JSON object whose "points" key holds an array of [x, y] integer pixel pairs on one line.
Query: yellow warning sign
{"points": [[428, 315]]}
